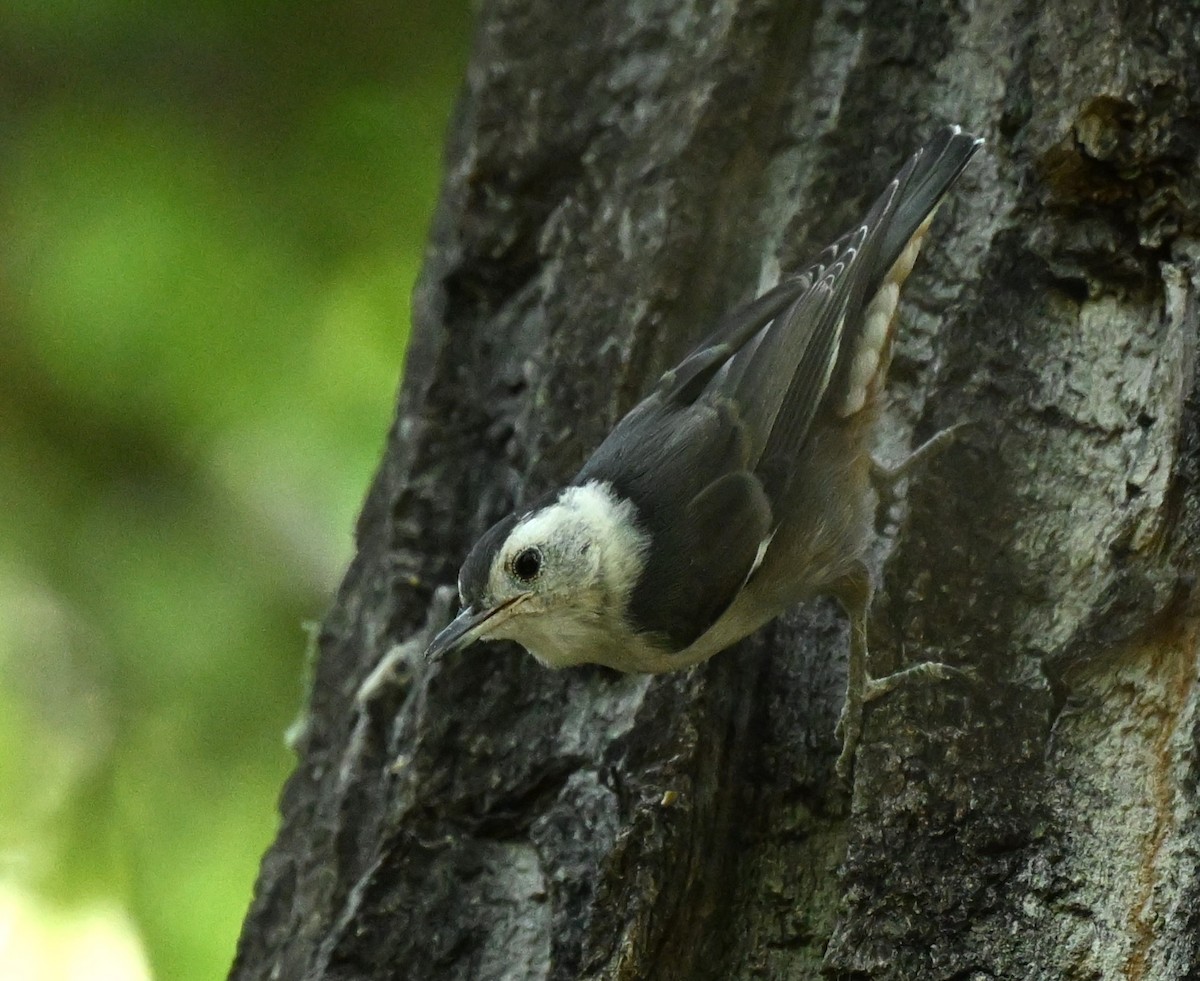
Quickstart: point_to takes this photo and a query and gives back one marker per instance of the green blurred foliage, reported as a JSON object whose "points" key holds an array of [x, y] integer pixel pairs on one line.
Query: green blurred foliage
{"points": [[213, 214]]}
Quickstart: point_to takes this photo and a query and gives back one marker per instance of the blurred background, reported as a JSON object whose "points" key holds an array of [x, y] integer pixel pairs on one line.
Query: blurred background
{"points": [[211, 217]]}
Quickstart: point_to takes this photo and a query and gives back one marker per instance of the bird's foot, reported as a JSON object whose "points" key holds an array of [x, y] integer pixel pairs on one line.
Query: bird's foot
{"points": [[885, 477], [849, 726]]}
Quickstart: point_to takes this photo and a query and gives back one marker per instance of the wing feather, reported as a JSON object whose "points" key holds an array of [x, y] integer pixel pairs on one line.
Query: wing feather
{"points": [[706, 454]]}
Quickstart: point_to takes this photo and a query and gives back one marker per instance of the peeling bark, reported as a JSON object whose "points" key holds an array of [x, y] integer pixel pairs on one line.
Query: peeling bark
{"points": [[618, 175]]}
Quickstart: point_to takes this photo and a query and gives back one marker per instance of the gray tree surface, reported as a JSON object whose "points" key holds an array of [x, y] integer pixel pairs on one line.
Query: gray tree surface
{"points": [[618, 175]]}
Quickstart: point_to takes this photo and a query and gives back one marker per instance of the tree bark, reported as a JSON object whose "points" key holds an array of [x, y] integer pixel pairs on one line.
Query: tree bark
{"points": [[619, 175]]}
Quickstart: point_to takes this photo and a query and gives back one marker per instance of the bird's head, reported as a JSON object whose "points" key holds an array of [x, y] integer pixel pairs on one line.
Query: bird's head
{"points": [[555, 579]]}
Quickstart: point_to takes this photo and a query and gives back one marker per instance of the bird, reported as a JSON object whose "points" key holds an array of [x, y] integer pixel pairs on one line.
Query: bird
{"points": [[741, 485]]}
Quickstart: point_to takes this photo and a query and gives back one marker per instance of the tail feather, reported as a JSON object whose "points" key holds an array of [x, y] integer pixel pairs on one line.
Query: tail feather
{"points": [[827, 329], [936, 166], [869, 288]]}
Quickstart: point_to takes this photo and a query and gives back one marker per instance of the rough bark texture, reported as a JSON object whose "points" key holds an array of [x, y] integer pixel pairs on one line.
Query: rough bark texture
{"points": [[618, 175]]}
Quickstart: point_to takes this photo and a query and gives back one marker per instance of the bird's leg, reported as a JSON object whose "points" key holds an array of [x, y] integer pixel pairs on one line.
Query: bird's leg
{"points": [[853, 591], [885, 477]]}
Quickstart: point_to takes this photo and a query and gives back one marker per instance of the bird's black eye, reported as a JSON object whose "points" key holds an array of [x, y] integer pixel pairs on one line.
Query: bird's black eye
{"points": [[527, 565]]}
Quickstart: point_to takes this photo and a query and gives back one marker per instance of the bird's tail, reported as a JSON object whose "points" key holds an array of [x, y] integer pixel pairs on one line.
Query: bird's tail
{"points": [[922, 184], [899, 221]]}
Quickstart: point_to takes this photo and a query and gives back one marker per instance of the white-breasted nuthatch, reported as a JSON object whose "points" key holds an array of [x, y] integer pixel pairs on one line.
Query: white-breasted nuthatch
{"points": [[741, 485]]}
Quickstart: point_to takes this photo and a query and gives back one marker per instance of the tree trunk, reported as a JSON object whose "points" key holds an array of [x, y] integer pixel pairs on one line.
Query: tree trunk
{"points": [[618, 175]]}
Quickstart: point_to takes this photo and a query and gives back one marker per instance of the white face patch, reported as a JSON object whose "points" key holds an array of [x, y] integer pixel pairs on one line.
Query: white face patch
{"points": [[592, 553], [588, 529]]}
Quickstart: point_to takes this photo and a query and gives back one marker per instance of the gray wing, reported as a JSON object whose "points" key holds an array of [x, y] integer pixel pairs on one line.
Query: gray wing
{"points": [[687, 458], [702, 561], [706, 454], [684, 467], [780, 377]]}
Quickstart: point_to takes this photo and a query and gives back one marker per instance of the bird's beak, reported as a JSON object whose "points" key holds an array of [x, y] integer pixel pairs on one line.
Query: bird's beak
{"points": [[470, 625]]}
